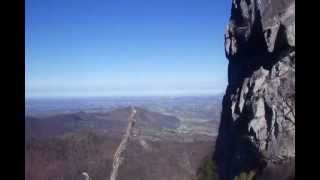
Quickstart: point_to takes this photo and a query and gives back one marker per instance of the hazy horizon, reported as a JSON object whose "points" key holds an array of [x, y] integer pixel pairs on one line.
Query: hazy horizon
{"points": [[49, 97]]}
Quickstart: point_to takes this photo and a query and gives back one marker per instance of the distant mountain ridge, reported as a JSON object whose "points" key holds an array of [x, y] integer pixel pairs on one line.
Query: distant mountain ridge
{"points": [[189, 108], [114, 121]]}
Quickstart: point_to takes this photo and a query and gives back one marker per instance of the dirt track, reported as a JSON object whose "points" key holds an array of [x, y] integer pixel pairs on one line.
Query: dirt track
{"points": [[117, 158]]}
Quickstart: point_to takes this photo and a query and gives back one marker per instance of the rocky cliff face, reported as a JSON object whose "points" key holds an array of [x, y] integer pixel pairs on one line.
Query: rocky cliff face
{"points": [[257, 130]]}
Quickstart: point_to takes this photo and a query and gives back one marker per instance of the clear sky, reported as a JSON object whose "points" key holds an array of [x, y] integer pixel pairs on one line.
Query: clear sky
{"points": [[125, 47]]}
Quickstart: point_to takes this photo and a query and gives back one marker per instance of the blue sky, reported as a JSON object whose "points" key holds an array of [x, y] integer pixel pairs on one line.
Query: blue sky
{"points": [[125, 47]]}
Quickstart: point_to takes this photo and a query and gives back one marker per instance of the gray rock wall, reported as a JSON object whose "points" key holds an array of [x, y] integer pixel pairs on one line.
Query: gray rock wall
{"points": [[257, 130]]}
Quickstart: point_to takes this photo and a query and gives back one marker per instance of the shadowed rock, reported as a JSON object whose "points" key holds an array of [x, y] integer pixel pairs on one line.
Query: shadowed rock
{"points": [[257, 129]]}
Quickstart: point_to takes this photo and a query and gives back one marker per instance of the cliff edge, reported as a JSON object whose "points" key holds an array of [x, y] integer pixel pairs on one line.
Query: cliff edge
{"points": [[257, 130]]}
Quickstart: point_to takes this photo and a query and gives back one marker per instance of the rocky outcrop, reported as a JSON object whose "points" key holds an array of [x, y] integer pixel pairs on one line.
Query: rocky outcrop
{"points": [[257, 129]]}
